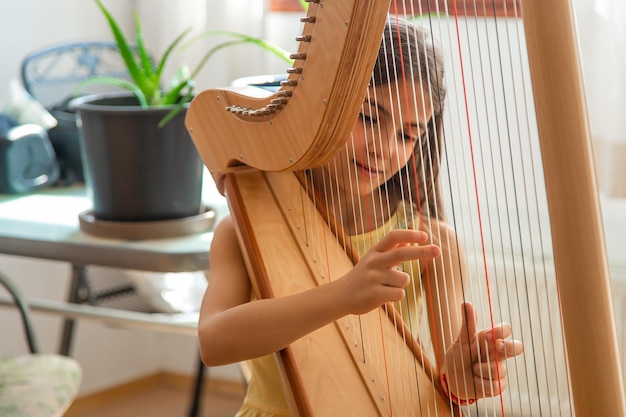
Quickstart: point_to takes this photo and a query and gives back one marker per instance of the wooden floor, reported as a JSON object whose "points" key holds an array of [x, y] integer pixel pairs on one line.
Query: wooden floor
{"points": [[162, 395]]}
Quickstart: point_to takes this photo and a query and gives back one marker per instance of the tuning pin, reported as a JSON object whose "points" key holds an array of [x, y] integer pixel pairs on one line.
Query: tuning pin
{"points": [[279, 101], [308, 19], [303, 38], [284, 93], [289, 83], [298, 55], [296, 70]]}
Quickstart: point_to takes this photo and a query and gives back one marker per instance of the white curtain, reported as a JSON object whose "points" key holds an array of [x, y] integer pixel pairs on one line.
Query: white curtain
{"points": [[602, 33], [164, 20]]}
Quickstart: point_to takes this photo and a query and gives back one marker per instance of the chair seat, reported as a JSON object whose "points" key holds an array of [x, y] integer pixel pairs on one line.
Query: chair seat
{"points": [[38, 385]]}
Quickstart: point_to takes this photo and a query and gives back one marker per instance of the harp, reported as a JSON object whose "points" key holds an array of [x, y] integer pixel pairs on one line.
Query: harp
{"points": [[253, 145]]}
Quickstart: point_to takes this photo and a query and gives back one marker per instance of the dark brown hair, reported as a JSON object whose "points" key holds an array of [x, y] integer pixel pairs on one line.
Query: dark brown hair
{"points": [[408, 50]]}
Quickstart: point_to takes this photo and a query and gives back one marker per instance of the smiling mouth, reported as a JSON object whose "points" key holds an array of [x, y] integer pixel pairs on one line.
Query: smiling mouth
{"points": [[367, 170]]}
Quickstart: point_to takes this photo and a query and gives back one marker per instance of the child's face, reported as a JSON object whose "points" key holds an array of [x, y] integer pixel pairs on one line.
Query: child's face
{"points": [[389, 126]]}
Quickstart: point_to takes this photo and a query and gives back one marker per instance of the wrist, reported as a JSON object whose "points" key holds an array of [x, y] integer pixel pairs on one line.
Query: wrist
{"points": [[446, 391]]}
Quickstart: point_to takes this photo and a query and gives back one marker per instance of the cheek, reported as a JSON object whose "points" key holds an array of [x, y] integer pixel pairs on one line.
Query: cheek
{"points": [[356, 141], [402, 156], [339, 164]]}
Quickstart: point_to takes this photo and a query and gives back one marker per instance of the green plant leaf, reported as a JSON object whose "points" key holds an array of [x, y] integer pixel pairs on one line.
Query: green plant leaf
{"points": [[146, 74], [125, 51], [184, 100], [240, 38], [181, 80], [304, 4], [210, 53], [262, 43], [169, 50], [144, 56], [174, 93]]}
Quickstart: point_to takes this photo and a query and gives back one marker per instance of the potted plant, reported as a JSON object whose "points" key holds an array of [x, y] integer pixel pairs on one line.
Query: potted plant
{"points": [[139, 162]]}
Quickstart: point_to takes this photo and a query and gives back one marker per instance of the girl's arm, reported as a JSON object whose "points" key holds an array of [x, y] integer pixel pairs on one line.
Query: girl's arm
{"points": [[443, 281], [232, 328]]}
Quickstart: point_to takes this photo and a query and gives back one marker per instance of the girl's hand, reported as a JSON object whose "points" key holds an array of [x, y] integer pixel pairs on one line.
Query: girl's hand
{"points": [[475, 364], [374, 280]]}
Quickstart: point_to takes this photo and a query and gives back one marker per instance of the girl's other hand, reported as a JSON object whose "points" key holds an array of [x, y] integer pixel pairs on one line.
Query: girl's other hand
{"points": [[475, 365]]}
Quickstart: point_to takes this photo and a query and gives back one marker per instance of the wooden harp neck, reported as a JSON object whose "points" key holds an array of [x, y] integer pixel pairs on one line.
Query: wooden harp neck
{"points": [[306, 122]]}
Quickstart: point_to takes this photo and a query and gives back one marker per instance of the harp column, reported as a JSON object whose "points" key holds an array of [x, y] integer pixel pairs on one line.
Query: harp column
{"points": [[577, 231]]}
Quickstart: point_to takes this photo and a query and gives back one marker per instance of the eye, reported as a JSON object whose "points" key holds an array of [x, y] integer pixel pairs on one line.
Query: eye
{"points": [[417, 136], [367, 118], [406, 137]]}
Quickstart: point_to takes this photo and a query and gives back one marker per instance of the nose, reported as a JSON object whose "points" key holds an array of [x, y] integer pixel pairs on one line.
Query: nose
{"points": [[381, 142]]}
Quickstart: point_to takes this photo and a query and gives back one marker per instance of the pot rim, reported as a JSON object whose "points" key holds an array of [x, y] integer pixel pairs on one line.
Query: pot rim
{"points": [[91, 102]]}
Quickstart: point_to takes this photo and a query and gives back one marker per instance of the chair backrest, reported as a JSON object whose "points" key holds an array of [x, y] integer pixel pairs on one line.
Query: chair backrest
{"points": [[51, 74], [24, 311]]}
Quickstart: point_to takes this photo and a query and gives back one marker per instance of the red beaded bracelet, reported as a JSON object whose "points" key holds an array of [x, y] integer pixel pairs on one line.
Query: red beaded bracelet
{"points": [[454, 398]]}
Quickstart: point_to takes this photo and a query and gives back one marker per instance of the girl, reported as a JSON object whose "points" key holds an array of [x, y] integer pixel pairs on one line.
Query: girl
{"points": [[388, 174]]}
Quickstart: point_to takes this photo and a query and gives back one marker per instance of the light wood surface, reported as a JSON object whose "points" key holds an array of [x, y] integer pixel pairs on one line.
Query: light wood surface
{"points": [[577, 233], [332, 363], [323, 102], [160, 395]]}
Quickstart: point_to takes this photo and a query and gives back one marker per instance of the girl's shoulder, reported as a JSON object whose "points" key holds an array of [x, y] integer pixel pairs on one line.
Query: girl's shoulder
{"points": [[225, 243], [440, 232], [225, 229]]}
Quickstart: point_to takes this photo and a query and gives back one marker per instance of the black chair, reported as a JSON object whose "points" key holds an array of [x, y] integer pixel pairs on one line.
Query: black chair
{"points": [[25, 314], [51, 75]]}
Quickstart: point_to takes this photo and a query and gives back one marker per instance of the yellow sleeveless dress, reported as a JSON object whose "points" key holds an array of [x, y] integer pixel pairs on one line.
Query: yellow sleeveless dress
{"points": [[264, 397]]}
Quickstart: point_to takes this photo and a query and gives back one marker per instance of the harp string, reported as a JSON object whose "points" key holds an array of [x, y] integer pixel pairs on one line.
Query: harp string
{"points": [[492, 156], [436, 159], [403, 78], [432, 211], [373, 218], [474, 174], [538, 343], [410, 94], [391, 141], [423, 86], [445, 144], [491, 153], [525, 274], [429, 290], [408, 216], [489, 281], [373, 223], [516, 205], [439, 153]]}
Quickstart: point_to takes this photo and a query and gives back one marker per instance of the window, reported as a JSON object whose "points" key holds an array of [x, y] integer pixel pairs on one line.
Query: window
{"points": [[509, 8]]}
